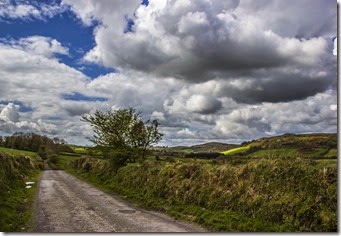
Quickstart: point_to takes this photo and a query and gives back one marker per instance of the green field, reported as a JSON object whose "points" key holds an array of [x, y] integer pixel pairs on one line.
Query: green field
{"points": [[63, 159], [16, 152], [236, 150], [331, 153]]}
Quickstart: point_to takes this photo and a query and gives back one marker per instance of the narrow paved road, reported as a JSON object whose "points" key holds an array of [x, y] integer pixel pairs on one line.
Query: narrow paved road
{"points": [[66, 204]]}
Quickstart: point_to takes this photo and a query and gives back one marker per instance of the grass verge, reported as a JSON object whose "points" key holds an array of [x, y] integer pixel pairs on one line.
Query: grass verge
{"points": [[213, 220], [292, 195], [17, 201]]}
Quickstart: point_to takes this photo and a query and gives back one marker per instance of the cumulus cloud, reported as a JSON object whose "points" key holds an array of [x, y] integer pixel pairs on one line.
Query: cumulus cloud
{"points": [[38, 45], [31, 74], [205, 40], [196, 103], [203, 104], [28, 10], [307, 19], [10, 113], [10, 122], [314, 114]]}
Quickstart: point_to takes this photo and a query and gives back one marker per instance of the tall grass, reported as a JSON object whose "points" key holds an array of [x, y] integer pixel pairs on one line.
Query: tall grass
{"points": [[15, 200], [292, 194]]}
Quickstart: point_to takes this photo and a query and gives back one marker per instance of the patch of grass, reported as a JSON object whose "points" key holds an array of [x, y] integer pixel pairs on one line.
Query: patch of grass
{"points": [[17, 201], [275, 153], [320, 164], [70, 154], [236, 150], [80, 150], [16, 152], [61, 161], [332, 153]]}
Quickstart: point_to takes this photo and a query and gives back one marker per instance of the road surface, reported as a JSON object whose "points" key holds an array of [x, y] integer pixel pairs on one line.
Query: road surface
{"points": [[67, 204]]}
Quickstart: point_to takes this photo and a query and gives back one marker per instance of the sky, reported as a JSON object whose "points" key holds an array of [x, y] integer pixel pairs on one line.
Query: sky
{"points": [[208, 70]]}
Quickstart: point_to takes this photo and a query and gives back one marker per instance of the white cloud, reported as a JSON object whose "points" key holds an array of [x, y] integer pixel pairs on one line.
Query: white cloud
{"points": [[335, 46], [10, 113], [203, 104], [21, 9], [333, 107], [10, 122], [38, 45], [185, 133], [314, 114]]}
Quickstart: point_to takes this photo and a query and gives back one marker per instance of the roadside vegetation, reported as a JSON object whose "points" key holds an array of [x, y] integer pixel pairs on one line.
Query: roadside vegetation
{"points": [[292, 194], [17, 193], [286, 183], [22, 158], [280, 184]]}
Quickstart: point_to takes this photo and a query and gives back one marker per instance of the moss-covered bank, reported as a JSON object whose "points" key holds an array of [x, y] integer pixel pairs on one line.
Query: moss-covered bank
{"points": [[17, 201], [259, 195]]}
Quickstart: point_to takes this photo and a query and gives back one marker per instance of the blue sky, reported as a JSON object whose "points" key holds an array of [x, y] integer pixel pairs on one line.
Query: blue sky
{"points": [[208, 70], [65, 28]]}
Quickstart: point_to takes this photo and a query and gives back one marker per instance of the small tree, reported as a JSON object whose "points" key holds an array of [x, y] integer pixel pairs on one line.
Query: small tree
{"points": [[124, 130]]}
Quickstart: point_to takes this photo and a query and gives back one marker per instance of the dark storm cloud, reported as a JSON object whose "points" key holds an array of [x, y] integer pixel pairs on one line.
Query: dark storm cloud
{"points": [[281, 88]]}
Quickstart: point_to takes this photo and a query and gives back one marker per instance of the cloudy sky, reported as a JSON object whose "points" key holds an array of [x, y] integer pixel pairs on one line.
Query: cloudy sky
{"points": [[208, 70]]}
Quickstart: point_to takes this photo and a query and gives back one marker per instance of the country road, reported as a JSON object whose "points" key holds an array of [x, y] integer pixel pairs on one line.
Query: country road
{"points": [[67, 204]]}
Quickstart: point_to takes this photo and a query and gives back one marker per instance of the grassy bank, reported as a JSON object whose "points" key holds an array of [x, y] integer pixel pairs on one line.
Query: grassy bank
{"points": [[16, 199], [259, 195]]}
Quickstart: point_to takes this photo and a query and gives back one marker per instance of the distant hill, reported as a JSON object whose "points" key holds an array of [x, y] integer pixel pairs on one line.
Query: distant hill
{"points": [[205, 147], [296, 140], [318, 145], [304, 145], [212, 147]]}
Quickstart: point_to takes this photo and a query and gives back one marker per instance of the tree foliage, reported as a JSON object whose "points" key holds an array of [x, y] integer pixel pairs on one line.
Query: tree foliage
{"points": [[32, 142], [123, 129]]}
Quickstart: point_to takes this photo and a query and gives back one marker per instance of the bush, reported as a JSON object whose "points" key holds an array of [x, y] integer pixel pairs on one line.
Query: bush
{"points": [[53, 158], [119, 158]]}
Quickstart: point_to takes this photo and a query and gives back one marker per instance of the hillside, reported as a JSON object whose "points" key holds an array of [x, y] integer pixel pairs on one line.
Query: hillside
{"points": [[315, 146], [205, 147]]}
